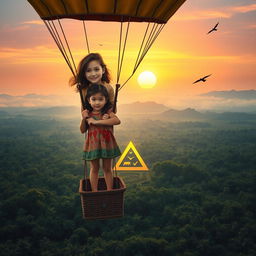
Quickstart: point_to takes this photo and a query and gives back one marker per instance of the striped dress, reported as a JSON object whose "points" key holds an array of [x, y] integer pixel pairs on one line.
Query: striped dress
{"points": [[100, 141]]}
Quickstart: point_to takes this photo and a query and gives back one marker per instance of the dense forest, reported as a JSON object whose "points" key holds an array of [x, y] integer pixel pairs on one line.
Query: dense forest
{"points": [[197, 199]]}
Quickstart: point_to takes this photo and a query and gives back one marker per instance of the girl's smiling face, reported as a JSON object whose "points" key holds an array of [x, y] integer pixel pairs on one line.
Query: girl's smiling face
{"points": [[94, 72], [97, 101]]}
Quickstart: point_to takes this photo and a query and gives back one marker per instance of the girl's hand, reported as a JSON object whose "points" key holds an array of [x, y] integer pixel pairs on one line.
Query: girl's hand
{"points": [[105, 116], [85, 114], [91, 121]]}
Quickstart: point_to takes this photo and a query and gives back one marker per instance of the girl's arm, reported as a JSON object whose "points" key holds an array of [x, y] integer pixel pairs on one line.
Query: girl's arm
{"points": [[112, 120], [84, 125]]}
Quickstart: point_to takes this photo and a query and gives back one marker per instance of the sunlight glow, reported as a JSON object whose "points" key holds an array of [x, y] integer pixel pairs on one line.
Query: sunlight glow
{"points": [[147, 79]]}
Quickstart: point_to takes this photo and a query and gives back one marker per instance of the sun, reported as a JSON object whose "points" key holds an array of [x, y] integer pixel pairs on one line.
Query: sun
{"points": [[147, 79]]}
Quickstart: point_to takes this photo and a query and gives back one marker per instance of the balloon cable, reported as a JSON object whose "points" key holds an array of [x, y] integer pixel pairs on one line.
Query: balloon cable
{"points": [[151, 39], [86, 38], [59, 44], [124, 46], [67, 44]]}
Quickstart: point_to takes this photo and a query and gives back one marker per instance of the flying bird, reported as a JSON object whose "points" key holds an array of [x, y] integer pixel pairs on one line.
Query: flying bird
{"points": [[100, 44], [203, 79], [213, 29]]}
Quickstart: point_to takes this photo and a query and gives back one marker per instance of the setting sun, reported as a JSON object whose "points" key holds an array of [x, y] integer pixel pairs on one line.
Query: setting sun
{"points": [[147, 79]]}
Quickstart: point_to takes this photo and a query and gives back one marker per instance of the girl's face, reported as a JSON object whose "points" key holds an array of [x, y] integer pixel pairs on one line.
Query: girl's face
{"points": [[97, 101], [94, 72]]}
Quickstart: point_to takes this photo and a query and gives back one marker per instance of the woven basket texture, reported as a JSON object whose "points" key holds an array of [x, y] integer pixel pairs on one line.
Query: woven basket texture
{"points": [[102, 204]]}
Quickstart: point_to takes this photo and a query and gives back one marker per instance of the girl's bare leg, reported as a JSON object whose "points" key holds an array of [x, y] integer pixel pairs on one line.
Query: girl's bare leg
{"points": [[94, 174], [108, 172]]}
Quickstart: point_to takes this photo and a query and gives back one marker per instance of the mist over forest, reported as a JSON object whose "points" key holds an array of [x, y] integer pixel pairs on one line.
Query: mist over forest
{"points": [[216, 101]]}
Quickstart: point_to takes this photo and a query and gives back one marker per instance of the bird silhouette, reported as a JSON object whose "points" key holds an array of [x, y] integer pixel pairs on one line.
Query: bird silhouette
{"points": [[100, 44], [203, 79], [213, 29]]}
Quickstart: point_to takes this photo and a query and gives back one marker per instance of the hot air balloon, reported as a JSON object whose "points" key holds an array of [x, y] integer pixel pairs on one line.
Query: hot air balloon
{"points": [[155, 13]]}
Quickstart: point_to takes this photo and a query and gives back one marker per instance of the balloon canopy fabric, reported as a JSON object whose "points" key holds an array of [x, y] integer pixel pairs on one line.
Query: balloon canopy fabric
{"points": [[157, 11]]}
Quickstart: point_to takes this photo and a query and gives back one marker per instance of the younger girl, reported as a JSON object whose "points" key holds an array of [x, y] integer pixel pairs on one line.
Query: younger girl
{"points": [[100, 142]]}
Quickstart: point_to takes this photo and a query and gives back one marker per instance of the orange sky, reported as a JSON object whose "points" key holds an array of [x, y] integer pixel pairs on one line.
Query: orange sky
{"points": [[31, 63]]}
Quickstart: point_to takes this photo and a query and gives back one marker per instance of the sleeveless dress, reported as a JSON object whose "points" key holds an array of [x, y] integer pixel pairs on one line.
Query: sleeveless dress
{"points": [[100, 141]]}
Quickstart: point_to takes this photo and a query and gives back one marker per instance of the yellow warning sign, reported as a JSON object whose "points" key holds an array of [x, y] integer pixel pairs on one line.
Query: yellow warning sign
{"points": [[131, 160]]}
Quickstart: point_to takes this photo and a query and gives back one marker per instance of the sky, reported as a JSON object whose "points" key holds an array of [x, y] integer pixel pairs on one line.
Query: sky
{"points": [[30, 62]]}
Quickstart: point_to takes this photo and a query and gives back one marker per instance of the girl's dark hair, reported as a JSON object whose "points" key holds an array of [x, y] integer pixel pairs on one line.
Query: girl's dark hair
{"points": [[92, 90], [80, 79]]}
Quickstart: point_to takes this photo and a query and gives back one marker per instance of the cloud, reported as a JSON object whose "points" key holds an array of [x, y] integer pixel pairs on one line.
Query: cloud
{"points": [[33, 22], [12, 29], [36, 100], [45, 54], [203, 103], [222, 104], [221, 12], [244, 9], [37, 54], [202, 15], [197, 102], [251, 26]]}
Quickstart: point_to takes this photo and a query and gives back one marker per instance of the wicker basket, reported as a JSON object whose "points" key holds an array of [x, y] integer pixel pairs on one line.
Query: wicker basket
{"points": [[102, 204]]}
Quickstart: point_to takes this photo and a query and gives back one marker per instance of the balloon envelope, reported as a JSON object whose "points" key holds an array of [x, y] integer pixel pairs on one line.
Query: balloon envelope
{"points": [[158, 11]]}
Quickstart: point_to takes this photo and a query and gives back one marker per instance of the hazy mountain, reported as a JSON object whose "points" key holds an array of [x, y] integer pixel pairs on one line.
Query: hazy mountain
{"points": [[38, 96], [28, 96], [233, 94], [141, 107], [219, 101], [62, 110], [232, 116], [35, 100], [6, 96], [3, 113], [56, 112], [190, 114], [186, 114]]}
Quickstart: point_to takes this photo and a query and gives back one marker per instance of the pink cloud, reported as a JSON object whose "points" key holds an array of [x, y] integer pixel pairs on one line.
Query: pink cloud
{"points": [[244, 9], [33, 22], [219, 12]]}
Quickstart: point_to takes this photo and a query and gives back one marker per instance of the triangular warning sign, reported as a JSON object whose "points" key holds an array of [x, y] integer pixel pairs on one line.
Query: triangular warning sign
{"points": [[131, 160]]}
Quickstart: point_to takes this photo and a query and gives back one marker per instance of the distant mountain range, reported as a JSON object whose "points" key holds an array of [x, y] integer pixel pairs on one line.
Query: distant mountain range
{"points": [[172, 115], [26, 96], [233, 94], [55, 105], [190, 114], [142, 107]]}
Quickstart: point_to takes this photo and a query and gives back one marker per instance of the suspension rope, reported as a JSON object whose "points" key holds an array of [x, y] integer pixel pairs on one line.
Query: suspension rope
{"points": [[152, 32], [142, 43], [70, 53], [59, 45], [55, 35], [124, 46], [151, 39], [119, 49], [149, 45], [55, 30], [86, 37]]}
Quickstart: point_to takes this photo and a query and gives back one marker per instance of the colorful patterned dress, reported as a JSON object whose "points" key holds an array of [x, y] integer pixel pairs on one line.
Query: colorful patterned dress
{"points": [[100, 141]]}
